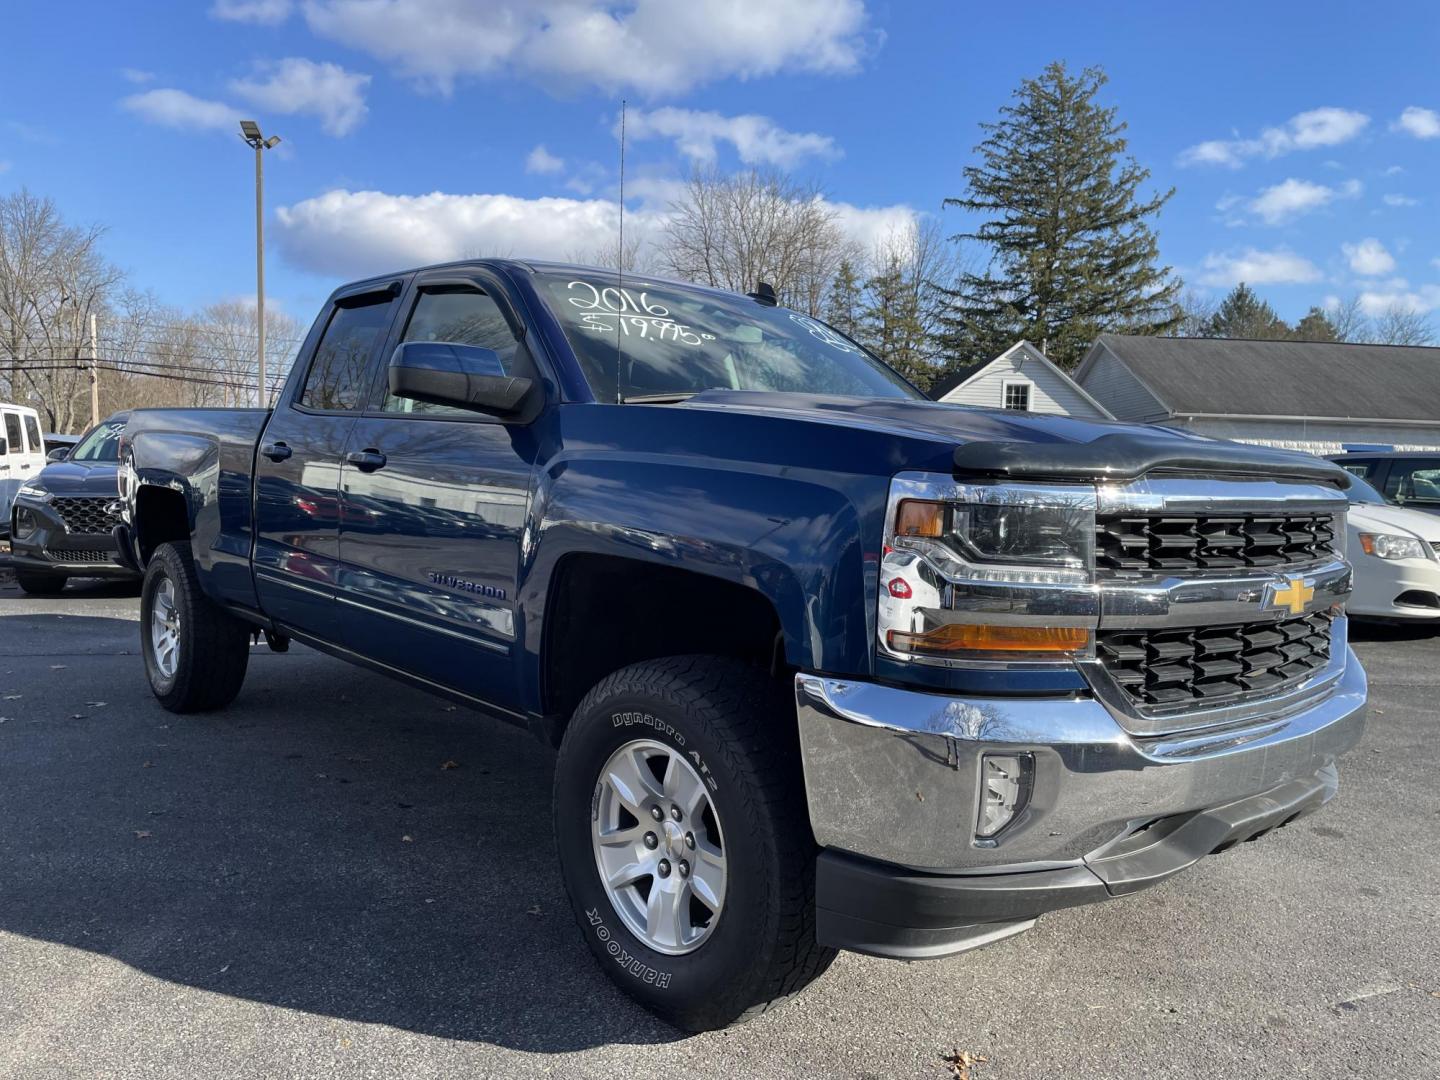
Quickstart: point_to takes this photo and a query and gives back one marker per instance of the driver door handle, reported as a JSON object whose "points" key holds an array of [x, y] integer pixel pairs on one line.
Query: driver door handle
{"points": [[367, 460], [276, 451]]}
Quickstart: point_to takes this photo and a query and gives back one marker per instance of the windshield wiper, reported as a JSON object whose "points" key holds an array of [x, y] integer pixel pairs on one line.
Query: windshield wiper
{"points": [[658, 399]]}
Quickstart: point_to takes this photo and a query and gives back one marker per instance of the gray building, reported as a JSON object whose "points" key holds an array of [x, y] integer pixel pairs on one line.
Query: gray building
{"points": [[1022, 378], [1299, 395]]}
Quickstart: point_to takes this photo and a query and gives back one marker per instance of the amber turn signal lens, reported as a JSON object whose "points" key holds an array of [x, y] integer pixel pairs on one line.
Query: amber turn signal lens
{"points": [[919, 518], [979, 638]]}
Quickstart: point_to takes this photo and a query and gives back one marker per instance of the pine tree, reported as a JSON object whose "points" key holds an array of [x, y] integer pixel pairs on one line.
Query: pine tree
{"points": [[1073, 252], [1242, 314], [842, 302], [1315, 326], [891, 321]]}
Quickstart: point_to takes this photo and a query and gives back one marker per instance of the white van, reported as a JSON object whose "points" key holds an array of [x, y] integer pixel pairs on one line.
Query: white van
{"points": [[22, 454]]}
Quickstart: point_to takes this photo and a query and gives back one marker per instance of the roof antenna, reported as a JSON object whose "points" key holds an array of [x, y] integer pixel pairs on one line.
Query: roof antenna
{"points": [[764, 294], [620, 264]]}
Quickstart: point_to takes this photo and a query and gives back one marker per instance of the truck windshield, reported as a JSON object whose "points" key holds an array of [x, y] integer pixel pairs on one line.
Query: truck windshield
{"points": [[101, 443], [660, 341]]}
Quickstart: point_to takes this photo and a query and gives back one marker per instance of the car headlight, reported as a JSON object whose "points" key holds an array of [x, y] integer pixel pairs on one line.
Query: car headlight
{"points": [[1393, 546], [32, 491], [977, 572]]}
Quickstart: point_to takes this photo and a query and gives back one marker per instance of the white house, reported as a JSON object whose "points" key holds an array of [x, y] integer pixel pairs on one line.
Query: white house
{"points": [[1019, 378], [1299, 395]]}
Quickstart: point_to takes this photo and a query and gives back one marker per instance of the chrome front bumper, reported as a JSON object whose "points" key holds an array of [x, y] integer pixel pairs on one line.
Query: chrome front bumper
{"points": [[893, 774]]}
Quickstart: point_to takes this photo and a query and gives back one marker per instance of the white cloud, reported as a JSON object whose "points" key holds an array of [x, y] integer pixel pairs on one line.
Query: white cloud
{"points": [[354, 233], [651, 46], [177, 109], [757, 139], [1382, 301], [1292, 198], [295, 85], [541, 160], [1399, 200], [1369, 257], [135, 75], [1327, 126], [262, 12], [1422, 123], [4, 166], [1255, 267]]}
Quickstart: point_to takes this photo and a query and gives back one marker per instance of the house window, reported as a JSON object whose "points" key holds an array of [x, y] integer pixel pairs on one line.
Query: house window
{"points": [[1017, 396]]}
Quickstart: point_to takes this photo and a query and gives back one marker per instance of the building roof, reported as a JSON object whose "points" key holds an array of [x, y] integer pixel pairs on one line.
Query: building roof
{"points": [[1024, 350], [955, 377], [1231, 377]]}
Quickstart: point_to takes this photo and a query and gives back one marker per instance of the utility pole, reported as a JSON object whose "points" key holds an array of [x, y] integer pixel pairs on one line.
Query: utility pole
{"points": [[94, 374], [250, 132]]}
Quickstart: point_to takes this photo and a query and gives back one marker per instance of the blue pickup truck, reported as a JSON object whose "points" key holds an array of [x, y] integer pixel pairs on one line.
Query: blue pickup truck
{"points": [[828, 665]]}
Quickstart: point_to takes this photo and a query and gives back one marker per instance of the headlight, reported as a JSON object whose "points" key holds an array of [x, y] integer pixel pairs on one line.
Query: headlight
{"points": [[32, 491], [985, 572], [1391, 546], [1004, 534]]}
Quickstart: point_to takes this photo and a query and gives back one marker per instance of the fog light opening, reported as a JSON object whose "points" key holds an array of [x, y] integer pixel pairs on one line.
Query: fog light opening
{"points": [[1005, 782]]}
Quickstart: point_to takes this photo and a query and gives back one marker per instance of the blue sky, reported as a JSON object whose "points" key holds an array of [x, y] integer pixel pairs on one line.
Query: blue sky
{"points": [[1303, 138]]}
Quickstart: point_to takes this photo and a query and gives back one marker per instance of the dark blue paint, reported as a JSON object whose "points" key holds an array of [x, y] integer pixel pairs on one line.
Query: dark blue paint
{"points": [[439, 563]]}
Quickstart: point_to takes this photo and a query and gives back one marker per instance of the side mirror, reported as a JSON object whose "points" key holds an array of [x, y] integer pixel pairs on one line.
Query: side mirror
{"points": [[60, 453], [466, 376]]}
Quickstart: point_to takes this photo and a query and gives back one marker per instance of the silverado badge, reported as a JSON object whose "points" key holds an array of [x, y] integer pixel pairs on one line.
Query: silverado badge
{"points": [[1294, 594]]}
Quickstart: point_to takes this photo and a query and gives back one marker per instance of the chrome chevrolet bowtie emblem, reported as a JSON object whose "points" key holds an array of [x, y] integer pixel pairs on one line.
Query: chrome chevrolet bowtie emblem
{"points": [[1293, 595]]}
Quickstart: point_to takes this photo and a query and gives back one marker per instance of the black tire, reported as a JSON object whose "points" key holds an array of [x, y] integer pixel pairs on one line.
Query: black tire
{"points": [[40, 582], [214, 646], [731, 719]]}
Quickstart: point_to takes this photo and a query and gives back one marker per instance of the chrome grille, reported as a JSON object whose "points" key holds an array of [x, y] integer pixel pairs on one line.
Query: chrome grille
{"points": [[1145, 543], [86, 514], [1210, 663]]}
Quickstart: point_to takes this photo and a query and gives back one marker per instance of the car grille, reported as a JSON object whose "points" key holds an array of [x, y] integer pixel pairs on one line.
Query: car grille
{"points": [[1140, 543], [86, 514], [1205, 663], [80, 555]]}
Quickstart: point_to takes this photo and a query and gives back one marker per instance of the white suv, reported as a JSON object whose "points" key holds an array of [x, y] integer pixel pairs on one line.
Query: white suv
{"points": [[22, 454]]}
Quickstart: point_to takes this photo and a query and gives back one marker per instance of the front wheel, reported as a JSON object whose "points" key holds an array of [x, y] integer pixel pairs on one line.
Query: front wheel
{"points": [[684, 840], [195, 651]]}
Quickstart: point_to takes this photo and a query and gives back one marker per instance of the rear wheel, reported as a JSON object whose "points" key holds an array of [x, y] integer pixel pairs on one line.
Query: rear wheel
{"points": [[40, 582], [195, 651], [684, 840]]}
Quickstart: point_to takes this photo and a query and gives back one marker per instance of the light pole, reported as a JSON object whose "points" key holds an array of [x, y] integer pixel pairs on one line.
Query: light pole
{"points": [[250, 132]]}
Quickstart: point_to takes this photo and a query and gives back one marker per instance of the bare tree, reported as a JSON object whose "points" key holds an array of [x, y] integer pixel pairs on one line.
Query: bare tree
{"points": [[733, 232], [1197, 313], [1401, 325], [52, 280], [1349, 320]]}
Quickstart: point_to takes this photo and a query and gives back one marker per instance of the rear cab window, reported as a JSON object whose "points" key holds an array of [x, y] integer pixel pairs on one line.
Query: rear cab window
{"points": [[339, 374]]}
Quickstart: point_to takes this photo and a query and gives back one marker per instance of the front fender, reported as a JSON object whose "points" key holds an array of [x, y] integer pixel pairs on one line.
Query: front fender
{"points": [[792, 537]]}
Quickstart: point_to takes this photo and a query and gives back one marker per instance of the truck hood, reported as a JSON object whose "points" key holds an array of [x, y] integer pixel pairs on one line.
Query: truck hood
{"points": [[1008, 443], [921, 419], [78, 478]]}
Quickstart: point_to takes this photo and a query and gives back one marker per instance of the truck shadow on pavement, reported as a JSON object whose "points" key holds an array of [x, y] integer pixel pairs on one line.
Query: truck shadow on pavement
{"points": [[333, 843]]}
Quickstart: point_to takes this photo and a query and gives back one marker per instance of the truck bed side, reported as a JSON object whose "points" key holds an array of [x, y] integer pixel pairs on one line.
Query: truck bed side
{"points": [[192, 472]]}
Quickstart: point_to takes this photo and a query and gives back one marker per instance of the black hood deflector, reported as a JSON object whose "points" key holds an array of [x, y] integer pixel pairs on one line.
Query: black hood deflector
{"points": [[1126, 456]]}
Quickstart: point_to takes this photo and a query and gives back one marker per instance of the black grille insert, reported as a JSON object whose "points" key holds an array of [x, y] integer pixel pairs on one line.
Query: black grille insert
{"points": [[86, 514], [1140, 543], [1175, 666]]}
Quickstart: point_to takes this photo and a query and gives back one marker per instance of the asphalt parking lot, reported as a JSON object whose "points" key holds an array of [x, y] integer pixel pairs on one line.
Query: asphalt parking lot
{"points": [[341, 877]]}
